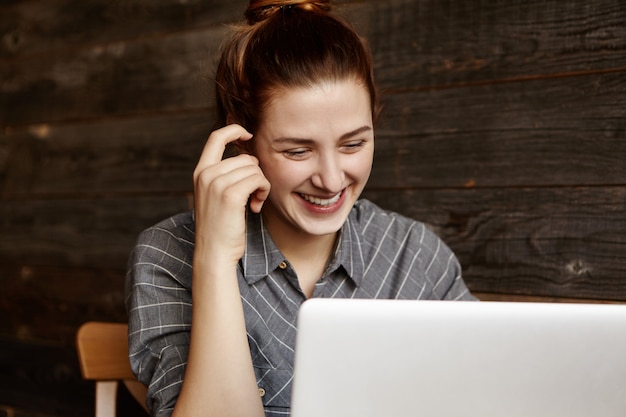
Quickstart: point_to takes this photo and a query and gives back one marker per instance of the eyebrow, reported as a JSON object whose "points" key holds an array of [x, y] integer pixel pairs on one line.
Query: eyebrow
{"points": [[306, 141]]}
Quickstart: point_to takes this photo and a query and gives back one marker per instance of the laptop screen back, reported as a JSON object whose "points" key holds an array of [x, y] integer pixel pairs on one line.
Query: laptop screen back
{"points": [[383, 358]]}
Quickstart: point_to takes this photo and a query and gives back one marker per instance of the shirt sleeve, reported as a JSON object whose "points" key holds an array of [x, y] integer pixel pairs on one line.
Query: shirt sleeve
{"points": [[158, 300]]}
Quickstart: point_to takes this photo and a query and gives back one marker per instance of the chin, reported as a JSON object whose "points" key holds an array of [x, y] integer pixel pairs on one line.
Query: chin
{"points": [[326, 226]]}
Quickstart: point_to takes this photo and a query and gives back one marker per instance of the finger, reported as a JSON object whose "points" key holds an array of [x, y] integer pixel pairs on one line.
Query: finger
{"points": [[229, 188], [208, 173], [216, 144], [257, 188], [217, 185], [258, 198], [221, 221]]}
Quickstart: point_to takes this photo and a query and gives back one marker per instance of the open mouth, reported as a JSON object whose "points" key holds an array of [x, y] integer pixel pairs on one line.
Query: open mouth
{"points": [[321, 201]]}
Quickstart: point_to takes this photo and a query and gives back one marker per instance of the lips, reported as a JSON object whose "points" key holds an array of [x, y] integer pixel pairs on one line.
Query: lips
{"points": [[321, 201]]}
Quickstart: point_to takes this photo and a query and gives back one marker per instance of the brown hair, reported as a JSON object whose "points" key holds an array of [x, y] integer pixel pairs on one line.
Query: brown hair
{"points": [[287, 44]]}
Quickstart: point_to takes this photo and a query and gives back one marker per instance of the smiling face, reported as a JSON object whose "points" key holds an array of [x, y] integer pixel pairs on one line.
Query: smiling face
{"points": [[315, 146]]}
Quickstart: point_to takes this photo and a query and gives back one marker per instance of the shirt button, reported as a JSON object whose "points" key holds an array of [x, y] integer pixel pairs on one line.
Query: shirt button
{"points": [[282, 265], [262, 392]]}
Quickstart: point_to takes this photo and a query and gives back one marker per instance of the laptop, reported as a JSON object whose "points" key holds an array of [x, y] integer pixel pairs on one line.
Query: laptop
{"points": [[384, 358]]}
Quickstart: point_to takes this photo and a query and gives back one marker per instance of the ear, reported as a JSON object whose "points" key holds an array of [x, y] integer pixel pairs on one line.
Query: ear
{"points": [[230, 119], [241, 146]]}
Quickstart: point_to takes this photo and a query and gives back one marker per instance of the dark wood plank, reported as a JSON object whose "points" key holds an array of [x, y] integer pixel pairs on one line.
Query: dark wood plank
{"points": [[43, 377], [417, 45], [8, 411], [563, 242], [36, 27], [563, 131], [527, 299], [433, 43], [504, 130], [548, 242], [39, 28], [138, 155], [43, 304], [79, 233], [146, 75], [44, 381]]}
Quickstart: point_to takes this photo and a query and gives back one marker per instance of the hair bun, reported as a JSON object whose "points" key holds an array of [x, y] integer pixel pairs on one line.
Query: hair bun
{"points": [[259, 10]]}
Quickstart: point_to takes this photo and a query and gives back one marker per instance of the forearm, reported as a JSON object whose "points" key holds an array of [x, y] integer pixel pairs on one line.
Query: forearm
{"points": [[219, 380]]}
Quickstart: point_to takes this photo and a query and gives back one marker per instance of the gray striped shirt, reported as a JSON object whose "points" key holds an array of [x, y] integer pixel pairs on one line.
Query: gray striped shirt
{"points": [[380, 254]]}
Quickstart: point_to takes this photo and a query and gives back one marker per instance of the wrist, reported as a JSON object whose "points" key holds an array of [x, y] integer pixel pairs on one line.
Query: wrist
{"points": [[216, 254]]}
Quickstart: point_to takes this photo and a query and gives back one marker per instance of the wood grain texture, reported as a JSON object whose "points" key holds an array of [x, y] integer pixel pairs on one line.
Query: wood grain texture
{"points": [[503, 129], [432, 43], [528, 299], [416, 44], [563, 131], [43, 304], [153, 154], [550, 242], [94, 233], [43, 380], [40, 28], [146, 75], [560, 131], [43, 377]]}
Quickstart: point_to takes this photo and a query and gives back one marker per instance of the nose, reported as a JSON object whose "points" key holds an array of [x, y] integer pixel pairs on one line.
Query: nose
{"points": [[329, 174]]}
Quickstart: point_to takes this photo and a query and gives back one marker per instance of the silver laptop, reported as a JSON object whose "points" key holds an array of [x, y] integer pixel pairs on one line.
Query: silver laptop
{"points": [[381, 358]]}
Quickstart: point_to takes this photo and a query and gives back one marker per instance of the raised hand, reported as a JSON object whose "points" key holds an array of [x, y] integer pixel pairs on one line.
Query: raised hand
{"points": [[222, 191]]}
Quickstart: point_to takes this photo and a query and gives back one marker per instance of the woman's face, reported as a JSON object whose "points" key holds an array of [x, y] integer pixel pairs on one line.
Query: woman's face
{"points": [[315, 146]]}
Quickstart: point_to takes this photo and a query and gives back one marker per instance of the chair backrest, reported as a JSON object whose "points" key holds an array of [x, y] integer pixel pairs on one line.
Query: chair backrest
{"points": [[103, 356]]}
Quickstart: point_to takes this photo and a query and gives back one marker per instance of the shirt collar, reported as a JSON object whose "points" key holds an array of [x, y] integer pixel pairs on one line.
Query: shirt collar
{"points": [[349, 254], [261, 256]]}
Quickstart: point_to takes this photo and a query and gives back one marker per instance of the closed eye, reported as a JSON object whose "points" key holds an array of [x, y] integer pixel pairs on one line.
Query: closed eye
{"points": [[353, 146], [299, 153]]}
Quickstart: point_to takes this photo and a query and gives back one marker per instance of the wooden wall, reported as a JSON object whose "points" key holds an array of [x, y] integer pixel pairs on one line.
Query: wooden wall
{"points": [[504, 128]]}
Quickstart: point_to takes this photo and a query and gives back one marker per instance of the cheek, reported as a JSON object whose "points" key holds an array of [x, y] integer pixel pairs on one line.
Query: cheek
{"points": [[284, 174], [361, 167]]}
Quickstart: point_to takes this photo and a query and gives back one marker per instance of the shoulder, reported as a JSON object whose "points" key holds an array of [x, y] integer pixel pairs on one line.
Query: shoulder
{"points": [[401, 249], [167, 245], [380, 227], [179, 228], [374, 220]]}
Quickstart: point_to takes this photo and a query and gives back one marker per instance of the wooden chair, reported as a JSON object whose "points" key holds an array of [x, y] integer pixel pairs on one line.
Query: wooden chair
{"points": [[103, 355]]}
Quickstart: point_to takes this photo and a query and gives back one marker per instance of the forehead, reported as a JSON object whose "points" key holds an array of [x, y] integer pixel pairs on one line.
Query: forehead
{"points": [[321, 109]]}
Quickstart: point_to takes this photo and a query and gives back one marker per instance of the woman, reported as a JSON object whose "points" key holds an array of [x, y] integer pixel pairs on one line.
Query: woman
{"points": [[277, 224]]}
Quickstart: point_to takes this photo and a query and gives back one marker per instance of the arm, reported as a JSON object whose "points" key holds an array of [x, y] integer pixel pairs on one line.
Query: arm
{"points": [[158, 288], [219, 380]]}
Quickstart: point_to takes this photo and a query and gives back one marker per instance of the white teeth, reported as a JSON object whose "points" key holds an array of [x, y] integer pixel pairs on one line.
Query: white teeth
{"points": [[321, 201]]}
